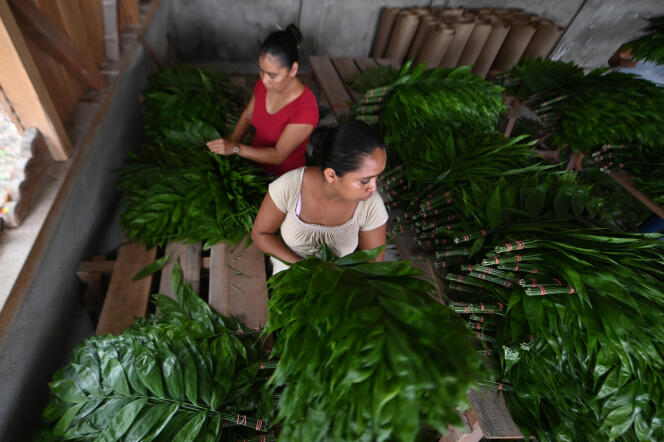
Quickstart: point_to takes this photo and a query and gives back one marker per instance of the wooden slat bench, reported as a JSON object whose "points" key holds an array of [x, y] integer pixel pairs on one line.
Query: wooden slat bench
{"points": [[333, 76], [237, 281]]}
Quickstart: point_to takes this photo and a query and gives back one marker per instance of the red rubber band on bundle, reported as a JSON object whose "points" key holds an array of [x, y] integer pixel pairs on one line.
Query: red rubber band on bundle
{"points": [[259, 424], [542, 290], [483, 232], [482, 305], [558, 283], [518, 258], [500, 305], [496, 258], [244, 420], [571, 290], [500, 385], [509, 247], [460, 278], [516, 268], [239, 332]]}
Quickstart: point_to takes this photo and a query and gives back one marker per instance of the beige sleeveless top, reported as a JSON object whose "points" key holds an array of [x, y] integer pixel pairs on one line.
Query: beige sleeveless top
{"points": [[307, 239]]}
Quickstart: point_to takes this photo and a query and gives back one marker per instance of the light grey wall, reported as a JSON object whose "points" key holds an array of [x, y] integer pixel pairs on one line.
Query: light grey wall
{"points": [[52, 319], [227, 30], [601, 27]]}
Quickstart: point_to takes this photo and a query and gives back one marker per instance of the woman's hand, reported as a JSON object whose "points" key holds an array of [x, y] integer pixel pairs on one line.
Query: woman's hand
{"points": [[221, 146]]}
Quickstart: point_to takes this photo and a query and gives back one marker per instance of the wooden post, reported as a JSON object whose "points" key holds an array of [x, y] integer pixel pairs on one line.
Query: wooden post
{"points": [[25, 88], [45, 34]]}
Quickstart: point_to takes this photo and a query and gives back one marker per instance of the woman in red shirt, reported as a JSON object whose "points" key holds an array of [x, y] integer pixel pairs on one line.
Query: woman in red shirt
{"points": [[282, 109]]}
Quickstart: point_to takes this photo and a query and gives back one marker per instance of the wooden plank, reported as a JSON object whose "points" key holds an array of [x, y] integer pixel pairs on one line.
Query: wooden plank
{"points": [[388, 62], [189, 257], [127, 13], [74, 26], [10, 112], [493, 415], [364, 63], [331, 84], [111, 32], [24, 280], [92, 12], [347, 69], [126, 299], [53, 76], [21, 81], [37, 26], [87, 268], [238, 284]]}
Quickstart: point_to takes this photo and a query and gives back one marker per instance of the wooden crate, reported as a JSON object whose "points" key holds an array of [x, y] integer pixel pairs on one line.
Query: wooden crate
{"points": [[333, 76], [237, 282]]}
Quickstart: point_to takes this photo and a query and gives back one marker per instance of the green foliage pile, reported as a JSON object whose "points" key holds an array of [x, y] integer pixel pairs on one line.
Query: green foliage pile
{"points": [[374, 77], [175, 189], [588, 111], [365, 352], [188, 374], [451, 100], [578, 345], [177, 96], [650, 47]]}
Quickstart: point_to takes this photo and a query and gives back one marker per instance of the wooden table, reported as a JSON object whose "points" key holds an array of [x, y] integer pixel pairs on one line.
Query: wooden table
{"points": [[334, 74]]}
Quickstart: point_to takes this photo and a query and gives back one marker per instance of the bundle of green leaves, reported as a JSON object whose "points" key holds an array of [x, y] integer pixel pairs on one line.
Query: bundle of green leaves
{"points": [[176, 190], [578, 345], [588, 111], [437, 100], [374, 77], [176, 96], [365, 352], [650, 47], [188, 374]]}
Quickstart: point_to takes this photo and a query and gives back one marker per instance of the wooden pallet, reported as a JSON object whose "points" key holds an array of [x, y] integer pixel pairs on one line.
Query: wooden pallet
{"points": [[237, 282], [333, 76]]}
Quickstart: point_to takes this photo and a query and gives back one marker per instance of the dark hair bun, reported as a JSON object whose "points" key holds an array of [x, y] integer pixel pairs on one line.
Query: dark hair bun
{"points": [[295, 32]]}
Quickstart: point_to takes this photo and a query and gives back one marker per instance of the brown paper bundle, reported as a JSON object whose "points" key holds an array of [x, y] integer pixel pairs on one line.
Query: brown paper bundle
{"points": [[385, 26], [514, 45], [475, 43], [402, 36], [420, 36], [422, 12], [494, 41], [451, 12], [438, 40], [545, 38], [463, 27]]}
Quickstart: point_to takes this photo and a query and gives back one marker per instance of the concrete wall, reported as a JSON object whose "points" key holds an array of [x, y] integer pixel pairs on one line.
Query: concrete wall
{"points": [[52, 319], [226, 30]]}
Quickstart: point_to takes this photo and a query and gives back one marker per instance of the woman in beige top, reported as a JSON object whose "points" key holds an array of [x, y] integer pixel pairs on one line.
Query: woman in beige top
{"points": [[335, 204]]}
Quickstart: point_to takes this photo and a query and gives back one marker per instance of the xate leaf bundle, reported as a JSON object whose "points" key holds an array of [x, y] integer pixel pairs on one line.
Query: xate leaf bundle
{"points": [[186, 375], [588, 111], [365, 352], [175, 189], [650, 47], [176, 96], [578, 344]]}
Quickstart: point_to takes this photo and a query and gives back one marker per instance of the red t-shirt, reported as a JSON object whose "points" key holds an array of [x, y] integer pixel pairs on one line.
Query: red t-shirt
{"points": [[302, 110]]}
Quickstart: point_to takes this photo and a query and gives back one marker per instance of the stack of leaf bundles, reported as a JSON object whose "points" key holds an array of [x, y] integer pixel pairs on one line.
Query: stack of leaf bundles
{"points": [[365, 352], [587, 111], [175, 189], [188, 374], [650, 47], [579, 347]]}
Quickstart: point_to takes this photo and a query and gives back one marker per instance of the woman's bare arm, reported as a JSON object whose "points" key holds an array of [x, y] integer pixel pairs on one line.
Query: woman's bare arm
{"points": [[264, 232], [371, 239], [292, 136]]}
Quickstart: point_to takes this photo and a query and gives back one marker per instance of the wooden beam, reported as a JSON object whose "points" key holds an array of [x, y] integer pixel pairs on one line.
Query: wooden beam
{"points": [[331, 84], [128, 12], [189, 257], [237, 283], [25, 88], [365, 63], [126, 299], [45, 34]]}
